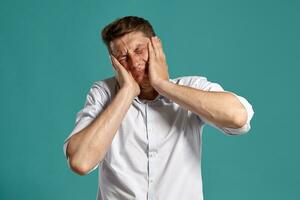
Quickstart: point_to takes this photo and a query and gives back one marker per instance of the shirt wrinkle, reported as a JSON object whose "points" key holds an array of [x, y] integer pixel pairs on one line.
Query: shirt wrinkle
{"points": [[156, 152]]}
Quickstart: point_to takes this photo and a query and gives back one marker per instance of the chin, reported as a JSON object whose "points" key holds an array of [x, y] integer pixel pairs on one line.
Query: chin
{"points": [[142, 81], [140, 77]]}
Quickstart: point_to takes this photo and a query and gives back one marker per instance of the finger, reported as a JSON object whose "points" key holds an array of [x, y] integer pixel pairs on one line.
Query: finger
{"points": [[118, 69], [112, 63], [114, 67], [118, 66], [161, 51], [150, 50], [153, 46], [158, 47], [158, 42]]}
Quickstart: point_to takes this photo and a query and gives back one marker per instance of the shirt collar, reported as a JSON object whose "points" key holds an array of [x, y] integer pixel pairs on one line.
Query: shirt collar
{"points": [[144, 101]]}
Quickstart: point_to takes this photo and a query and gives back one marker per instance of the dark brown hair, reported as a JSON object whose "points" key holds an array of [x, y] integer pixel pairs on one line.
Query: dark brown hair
{"points": [[125, 25]]}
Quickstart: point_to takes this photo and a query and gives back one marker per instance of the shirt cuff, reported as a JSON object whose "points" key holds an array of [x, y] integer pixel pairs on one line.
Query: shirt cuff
{"points": [[250, 113]]}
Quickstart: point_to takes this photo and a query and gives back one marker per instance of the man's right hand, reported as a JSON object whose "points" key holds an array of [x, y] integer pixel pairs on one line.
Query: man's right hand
{"points": [[125, 78], [88, 147]]}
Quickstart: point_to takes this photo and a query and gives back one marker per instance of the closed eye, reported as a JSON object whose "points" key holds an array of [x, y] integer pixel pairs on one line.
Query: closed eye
{"points": [[139, 51]]}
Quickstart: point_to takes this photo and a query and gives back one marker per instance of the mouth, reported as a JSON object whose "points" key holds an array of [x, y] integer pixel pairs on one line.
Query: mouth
{"points": [[141, 70], [140, 76]]}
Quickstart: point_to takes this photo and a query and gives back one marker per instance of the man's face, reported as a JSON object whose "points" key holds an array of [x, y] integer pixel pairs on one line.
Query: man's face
{"points": [[132, 52]]}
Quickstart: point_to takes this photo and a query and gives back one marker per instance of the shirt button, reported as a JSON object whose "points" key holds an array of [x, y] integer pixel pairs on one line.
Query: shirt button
{"points": [[152, 154]]}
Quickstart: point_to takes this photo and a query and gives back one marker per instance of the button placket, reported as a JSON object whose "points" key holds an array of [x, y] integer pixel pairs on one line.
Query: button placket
{"points": [[151, 153]]}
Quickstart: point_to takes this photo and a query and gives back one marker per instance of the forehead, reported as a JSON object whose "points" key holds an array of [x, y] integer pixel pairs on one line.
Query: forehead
{"points": [[128, 41]]}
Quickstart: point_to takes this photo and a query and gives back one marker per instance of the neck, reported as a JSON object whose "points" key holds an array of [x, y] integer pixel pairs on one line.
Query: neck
{"points": [[148, 94]]}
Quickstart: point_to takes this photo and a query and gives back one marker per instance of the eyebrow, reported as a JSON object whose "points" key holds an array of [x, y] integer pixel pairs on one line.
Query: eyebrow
{"points": [[120, 53], [139, 45]]}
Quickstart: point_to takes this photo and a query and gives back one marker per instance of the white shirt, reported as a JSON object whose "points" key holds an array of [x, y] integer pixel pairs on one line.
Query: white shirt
{"points": [[156, 152]]}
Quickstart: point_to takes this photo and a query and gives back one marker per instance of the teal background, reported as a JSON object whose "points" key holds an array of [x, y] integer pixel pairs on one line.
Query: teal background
{"points": [[51, 53]]}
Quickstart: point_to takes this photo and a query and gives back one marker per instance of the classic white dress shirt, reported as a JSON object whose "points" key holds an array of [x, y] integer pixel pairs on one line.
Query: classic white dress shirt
{"points": [[156, 152]]}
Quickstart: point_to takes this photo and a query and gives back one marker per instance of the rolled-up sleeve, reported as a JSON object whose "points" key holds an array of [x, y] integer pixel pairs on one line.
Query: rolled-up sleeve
{"points": [[96, 101], [203, 84], [246, 127]]}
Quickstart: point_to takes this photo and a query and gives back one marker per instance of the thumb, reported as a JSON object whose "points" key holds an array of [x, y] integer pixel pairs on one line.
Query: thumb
{"points": [[112, 63]]}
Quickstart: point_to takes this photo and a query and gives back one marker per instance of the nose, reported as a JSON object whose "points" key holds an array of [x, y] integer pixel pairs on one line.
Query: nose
{"points": [[133, 60]]}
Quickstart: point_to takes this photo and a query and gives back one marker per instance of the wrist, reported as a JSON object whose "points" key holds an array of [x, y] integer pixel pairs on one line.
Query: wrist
{"points": [[129, 91], [158, 85]]}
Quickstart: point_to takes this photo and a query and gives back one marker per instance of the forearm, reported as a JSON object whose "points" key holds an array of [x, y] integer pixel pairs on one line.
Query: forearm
{"points": [[89, 146], [220, 108]]}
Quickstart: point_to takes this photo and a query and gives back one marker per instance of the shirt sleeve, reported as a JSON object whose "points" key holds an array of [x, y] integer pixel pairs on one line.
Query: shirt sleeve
{"points": [[203, 84], [96, 101]]}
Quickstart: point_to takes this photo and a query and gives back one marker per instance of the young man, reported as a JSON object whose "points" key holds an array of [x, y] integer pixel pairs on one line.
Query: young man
{"points": [[142, 129]]}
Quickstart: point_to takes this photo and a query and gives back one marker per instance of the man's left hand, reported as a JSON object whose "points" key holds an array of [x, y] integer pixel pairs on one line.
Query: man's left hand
{"points": [[158, 68]]}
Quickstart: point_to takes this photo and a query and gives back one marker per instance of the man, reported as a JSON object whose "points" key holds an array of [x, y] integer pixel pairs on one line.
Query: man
{"points": [[142, 129]]}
